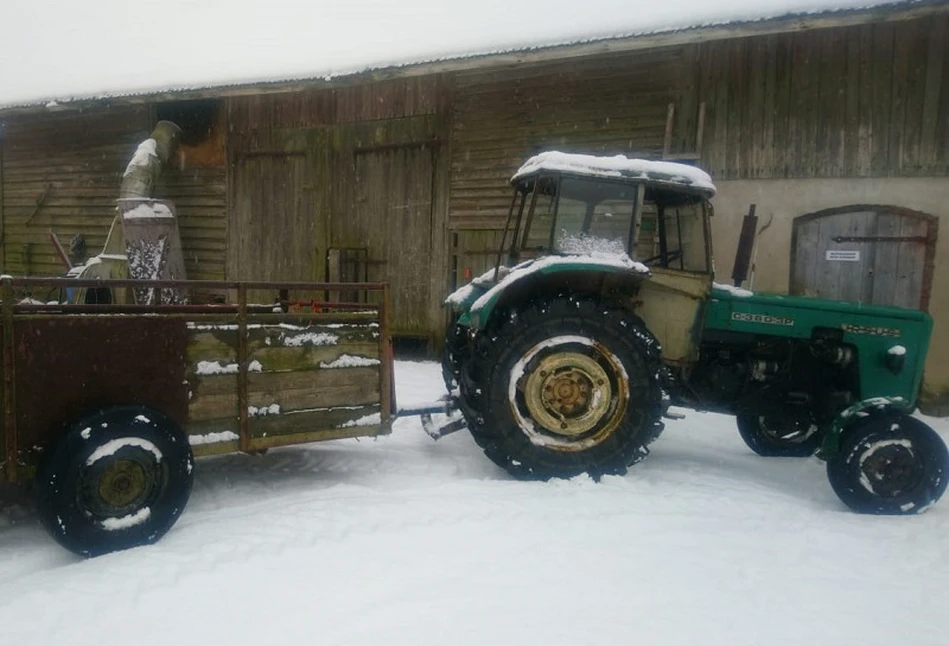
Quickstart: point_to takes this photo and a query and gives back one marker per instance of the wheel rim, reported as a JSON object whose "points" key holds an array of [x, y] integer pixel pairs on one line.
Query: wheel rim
{"points": [[784, 431], [116, 486], [568, 393], [890, 468]]}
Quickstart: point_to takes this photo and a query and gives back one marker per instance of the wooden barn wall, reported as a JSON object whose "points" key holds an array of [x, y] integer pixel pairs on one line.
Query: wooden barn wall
{"points": [[354, 167], [600, 106], [606, 105], [864, 101], [63, 171]]}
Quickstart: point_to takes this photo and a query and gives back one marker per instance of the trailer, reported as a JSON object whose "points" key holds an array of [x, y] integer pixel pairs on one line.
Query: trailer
{"points": [[105, 406]]}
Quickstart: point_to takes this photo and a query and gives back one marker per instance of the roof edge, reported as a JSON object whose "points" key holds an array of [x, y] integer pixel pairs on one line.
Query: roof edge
{"points": [[898, 11]]}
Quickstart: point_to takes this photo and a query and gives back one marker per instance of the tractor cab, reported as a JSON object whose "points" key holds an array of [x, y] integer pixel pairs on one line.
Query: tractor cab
{"points": [[567, 204]]}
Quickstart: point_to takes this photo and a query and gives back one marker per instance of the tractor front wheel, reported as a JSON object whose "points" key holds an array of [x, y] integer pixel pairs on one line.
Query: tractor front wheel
{"points": [[891, 464], [571, 386], [777, 435]]}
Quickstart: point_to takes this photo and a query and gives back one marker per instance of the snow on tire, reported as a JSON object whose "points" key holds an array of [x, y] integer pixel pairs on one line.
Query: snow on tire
{"points": [[571, 386]]}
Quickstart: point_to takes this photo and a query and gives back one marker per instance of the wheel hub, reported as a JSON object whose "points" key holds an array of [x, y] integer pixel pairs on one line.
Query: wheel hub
{"points": [[122, 483], [891, 470], [568, 393]]}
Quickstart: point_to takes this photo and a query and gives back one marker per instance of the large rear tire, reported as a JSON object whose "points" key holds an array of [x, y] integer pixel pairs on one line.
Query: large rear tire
{"points": [[567, 386], [892, 464], [116, 479]]}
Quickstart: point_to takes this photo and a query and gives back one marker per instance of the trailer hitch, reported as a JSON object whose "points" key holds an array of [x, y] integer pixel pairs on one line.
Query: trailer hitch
{"points": [[446, 405]]}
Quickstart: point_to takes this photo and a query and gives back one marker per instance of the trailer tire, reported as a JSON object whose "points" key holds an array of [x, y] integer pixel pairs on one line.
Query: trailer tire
{"points": [[765, 436], [569, 386], [889, 465], [116, 479]]}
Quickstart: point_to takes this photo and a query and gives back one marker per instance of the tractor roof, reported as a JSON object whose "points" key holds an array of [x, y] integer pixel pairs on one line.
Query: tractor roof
{"points": [[661, 174]]}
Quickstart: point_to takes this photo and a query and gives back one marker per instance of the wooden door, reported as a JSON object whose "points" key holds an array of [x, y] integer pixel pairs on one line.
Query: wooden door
{"points": [[391, 218], [274, 232], [868, 254]]}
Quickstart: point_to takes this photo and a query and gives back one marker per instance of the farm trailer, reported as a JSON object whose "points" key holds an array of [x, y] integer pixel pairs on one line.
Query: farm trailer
{"points": [[104, 407]]}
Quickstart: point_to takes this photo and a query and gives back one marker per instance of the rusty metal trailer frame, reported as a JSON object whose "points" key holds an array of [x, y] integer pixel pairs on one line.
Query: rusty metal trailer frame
{"points": [[241, 310]]}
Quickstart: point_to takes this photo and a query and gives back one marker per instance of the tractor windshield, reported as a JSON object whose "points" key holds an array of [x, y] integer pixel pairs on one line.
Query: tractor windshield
{"points": [[578, 215], [587, 217]]}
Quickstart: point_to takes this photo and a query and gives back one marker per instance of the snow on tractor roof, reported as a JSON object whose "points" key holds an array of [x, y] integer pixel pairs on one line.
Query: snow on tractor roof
{"points": [[618, 167]]}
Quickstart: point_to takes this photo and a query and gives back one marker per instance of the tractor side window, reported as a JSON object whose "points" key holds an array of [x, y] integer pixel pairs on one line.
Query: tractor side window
{"points": [[682, 230]]}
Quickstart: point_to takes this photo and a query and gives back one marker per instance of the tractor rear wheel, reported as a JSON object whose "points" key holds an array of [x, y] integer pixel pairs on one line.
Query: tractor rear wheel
{"points": [[569, 386], [891, 464]]}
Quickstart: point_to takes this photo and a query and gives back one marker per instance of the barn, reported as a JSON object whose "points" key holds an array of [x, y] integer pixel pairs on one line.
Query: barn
{"points": [[833, 123]]}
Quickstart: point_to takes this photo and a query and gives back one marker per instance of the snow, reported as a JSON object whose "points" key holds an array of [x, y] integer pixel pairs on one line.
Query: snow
{"points": [[261, 411], [349, 361], [897, 351], [113, 446], [617, 166], [213, 438], [310, 338], [402, 540], [734, 291], [148, 210], [139, 517], [115, 48], [365, 420], [216, 368]]}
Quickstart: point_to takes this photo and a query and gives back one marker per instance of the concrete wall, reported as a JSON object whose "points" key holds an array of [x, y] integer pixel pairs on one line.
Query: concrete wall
{"points": [[784, 200]]}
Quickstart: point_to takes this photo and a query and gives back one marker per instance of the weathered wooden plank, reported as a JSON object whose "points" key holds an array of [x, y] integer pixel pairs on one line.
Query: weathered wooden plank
{"points": [[302, 421], [782, 141], [277, 359], [897, 125], [917, 34], [882, 101], [886, 261], [865, 122], [935, 63], [272, 441]]}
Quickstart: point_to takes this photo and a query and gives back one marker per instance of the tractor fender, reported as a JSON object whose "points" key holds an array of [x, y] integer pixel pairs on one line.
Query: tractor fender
{"points": [[529, 277], [873, 407]]}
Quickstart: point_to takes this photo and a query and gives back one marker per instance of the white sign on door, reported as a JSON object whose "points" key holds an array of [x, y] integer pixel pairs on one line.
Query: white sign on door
{"points": [[843, 255]]}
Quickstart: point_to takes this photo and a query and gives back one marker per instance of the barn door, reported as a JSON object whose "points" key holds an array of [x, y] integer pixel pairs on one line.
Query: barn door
{"points": [[274, 232], [868, 254], [392, 219]]}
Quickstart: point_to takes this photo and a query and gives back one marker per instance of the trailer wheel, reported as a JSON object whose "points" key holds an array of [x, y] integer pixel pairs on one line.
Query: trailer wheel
{"points": [[788, 436], [571, 387], [116, 479], [891, 464]]}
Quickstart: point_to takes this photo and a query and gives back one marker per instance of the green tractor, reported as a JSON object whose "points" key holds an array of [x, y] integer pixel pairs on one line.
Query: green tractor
{"points": [[602, 311]]}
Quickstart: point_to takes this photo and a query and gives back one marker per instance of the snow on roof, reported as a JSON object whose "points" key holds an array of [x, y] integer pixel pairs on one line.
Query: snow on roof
{"points": [[59, 50], [618, 166]]}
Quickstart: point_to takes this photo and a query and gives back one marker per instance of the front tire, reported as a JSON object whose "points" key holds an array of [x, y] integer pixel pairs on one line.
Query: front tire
{"points": [[891, 464], [570, 386], [784, 436], [116, 479]]}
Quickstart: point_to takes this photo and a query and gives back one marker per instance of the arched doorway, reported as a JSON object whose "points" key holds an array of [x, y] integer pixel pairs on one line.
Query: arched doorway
{"points": [[875, 254]]}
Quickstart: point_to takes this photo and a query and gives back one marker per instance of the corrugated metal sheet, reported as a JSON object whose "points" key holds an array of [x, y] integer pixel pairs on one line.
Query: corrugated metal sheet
{"points": [[601, 106]]}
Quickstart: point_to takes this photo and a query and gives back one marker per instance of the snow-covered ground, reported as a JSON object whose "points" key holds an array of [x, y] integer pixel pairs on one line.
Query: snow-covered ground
{"points": [[407, 541]]}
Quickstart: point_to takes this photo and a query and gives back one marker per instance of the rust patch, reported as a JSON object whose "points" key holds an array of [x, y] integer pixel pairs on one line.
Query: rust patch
{"points": [[70, 365]]}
